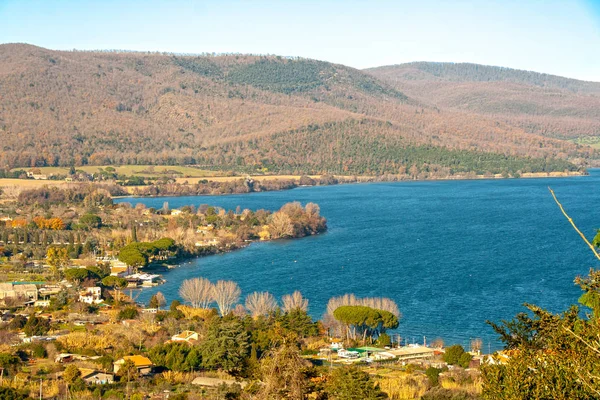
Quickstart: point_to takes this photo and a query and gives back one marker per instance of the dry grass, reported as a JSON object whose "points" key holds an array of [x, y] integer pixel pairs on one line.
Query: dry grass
{"points": [[12, 187], [399, 385], [139, 170]]}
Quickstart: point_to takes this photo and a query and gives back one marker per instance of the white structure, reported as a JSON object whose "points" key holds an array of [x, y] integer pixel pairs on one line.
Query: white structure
{"points": [[120, 269], [25, 292], [92, 295], [413, 352], [350, 354], [185, 336]]}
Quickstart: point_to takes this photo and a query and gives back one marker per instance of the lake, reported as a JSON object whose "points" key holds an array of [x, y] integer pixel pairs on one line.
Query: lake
{"points": [[452, 254]]}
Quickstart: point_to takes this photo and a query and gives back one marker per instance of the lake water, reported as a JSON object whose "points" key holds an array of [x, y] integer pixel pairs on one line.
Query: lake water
{"points": [[452, 254]]}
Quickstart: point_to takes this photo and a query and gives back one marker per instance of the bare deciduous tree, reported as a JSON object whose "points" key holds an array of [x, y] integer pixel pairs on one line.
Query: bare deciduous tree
{"points": [[260, 303], [281, 225], [476, 344], [197, 291], [380, 303], [295, 301], [226, 294], [160, 299]]}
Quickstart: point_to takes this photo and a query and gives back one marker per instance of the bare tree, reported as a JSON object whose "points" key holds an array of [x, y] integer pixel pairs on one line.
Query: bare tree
{"points": [[295, 301], [240, 311], [160, 300], [197, 291], [312, 209], [382, 303], [260, 303], [226, 294], [281, 225], [476, 345]]}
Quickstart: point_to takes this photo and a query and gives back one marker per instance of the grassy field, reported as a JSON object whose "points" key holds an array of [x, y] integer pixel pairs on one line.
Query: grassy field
{"points": [[12, 187], [592, 141], [138, 170]]}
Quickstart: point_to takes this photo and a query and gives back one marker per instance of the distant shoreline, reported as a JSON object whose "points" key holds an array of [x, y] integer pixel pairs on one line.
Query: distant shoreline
{"points": [[12, 187], [529, 175]]}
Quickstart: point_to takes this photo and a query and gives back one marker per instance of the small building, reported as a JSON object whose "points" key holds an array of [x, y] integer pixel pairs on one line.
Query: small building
{"points": [[185, 336], [42, 303], [205, 230], [413, 352], [64, 358], [92, 377], [336, 344], [37, 176], [120, 269], [26, 292], [176, 212], [91, 295], [143, 365]]}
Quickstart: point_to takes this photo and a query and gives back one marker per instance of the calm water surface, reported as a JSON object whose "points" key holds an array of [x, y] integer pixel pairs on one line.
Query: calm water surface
{"points": [[452, 254]]}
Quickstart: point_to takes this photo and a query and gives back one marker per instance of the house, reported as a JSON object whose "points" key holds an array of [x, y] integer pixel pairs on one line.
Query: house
{"points": [[413, 352], [143, 365], [26, 291], [207, 242], [64, 358], [176, 212], [120, 269], [42, 303], [185, 336], [91, 295], [36, 176], [92, 377], [144, 279], [205, 229]]}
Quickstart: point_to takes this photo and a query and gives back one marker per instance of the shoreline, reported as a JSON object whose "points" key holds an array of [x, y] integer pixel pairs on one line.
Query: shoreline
{"points": [[370, 179], [12, 186]]}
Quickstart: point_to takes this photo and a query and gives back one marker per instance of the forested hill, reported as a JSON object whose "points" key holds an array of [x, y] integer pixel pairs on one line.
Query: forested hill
{"points": [[543, 104], [246, 113], [467, 72]]}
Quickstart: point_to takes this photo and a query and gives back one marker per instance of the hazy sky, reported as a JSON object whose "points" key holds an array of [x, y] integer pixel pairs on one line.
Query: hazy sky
{"points": [[557, 37]]}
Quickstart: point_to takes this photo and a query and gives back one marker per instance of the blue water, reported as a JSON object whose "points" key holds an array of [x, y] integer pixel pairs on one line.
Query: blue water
{"points": [[452, 254]]}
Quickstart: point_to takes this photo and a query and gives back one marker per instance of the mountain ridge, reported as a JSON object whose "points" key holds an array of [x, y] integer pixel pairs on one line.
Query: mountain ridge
{"points": [[229, 111]]}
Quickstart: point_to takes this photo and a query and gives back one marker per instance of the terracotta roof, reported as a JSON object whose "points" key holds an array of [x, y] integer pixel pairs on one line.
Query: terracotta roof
{"points": [[139, 361]]}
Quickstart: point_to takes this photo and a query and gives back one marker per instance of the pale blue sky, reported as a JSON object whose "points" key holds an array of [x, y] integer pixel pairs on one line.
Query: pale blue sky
{"points": [[557, 37]]}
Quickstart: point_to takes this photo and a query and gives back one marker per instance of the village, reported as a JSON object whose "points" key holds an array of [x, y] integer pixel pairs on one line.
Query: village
{"points": [[72, 263], [102, 342]]}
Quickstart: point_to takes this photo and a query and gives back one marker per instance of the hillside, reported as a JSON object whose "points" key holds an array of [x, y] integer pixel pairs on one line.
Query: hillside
{"points": [[245, 113], [542, 104]]}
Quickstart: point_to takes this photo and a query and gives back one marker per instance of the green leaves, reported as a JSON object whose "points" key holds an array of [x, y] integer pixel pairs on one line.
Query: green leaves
{"points": [[366, 319], [550, 356], [351, 383], [226, 346]]}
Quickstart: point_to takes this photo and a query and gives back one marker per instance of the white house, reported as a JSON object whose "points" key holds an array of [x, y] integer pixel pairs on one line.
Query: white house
{"points": [[91, 295]]}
